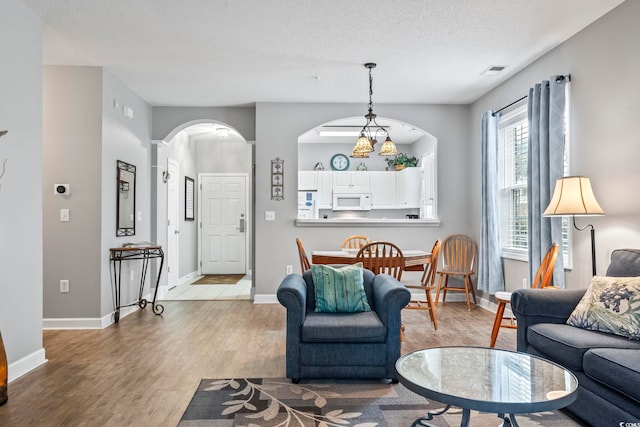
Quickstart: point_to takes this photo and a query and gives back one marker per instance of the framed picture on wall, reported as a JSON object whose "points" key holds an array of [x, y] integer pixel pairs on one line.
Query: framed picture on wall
{"points": [[188, 199], [277, 179]]}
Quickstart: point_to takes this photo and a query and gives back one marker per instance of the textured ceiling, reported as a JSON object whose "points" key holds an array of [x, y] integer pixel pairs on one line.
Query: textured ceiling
{"points": [[238, 52]]}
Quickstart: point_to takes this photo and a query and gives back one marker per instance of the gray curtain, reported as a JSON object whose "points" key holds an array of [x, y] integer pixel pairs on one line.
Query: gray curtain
{"points": [[546, 112], [490, 274]]}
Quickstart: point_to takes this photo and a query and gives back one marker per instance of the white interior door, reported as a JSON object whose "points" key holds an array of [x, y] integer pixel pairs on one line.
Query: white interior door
{"points": [[223, 204], [173, 231]]}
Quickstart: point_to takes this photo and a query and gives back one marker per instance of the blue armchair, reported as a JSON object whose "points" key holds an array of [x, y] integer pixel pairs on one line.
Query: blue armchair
{"points": [[343, 345]]}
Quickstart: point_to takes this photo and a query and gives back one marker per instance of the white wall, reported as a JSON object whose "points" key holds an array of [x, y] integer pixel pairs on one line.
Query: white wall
{"points": [[21, 187], [604, 65]]}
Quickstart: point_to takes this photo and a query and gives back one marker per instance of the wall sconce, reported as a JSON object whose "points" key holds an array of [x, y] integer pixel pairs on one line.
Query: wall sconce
{"points": [[165, 176]]}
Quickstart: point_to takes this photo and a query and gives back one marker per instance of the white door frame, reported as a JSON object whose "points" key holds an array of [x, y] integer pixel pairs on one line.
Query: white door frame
{"points": [[173, 256], [248, 229]]}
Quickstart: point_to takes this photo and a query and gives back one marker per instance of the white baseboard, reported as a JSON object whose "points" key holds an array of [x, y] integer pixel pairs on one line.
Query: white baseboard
{"points": [[189, 277], [91, 323], [265, 299], [26, 364]]}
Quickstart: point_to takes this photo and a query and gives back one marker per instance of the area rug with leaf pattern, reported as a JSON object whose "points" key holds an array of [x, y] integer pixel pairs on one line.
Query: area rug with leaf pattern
{"points": [[276, 402]]}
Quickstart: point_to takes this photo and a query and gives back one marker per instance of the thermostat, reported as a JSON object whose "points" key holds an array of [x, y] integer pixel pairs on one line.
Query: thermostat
{"points": [[61, 189]]}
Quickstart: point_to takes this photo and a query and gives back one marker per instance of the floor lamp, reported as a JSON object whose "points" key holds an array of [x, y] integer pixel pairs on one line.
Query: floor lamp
{"points": [[573, 196]]}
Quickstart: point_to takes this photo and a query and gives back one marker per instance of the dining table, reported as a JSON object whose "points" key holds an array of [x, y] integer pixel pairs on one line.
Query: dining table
{"points": [[414, 259]]}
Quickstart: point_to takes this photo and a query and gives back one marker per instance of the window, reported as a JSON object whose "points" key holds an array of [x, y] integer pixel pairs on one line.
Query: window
{"points": [[512, 181], [513, 151]]}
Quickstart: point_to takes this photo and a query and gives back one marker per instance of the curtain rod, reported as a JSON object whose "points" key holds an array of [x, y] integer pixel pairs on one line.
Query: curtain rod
{"points": [[558, 80], [507, 106]]}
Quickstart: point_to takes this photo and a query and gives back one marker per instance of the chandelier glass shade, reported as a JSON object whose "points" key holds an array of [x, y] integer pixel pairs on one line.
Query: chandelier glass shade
{"points": [[371, 130]]}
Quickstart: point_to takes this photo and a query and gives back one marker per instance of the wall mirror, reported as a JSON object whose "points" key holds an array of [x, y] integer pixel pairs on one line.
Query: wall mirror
{"points": [[126, 200]]}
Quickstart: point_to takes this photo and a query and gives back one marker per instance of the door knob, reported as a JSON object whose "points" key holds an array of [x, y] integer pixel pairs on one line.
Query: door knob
{"points": [[176, 232]]}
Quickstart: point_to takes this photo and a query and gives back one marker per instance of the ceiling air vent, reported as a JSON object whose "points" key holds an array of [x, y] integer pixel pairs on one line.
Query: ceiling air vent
{"points": [[494, 70]]}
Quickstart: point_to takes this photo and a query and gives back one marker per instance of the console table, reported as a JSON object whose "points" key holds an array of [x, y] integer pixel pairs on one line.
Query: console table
{"points": [[130, 253]]}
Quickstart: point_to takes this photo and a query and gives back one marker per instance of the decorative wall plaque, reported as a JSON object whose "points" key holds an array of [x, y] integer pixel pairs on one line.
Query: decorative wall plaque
{"points": [[277, 179]]}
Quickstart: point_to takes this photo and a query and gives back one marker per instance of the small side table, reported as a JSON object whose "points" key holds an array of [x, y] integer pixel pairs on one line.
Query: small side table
{"points": [[130, 253]]}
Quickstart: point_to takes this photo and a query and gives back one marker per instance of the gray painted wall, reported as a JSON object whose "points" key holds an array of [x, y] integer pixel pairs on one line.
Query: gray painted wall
{"points": [[167, 119], [85, 137], [72, 106], [604, 65], [128, 140], [21, 184], [184, 151], [277, 129]]}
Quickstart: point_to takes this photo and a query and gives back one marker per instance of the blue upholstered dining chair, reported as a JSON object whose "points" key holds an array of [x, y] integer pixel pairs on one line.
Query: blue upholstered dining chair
{"points": [[343, 345]]}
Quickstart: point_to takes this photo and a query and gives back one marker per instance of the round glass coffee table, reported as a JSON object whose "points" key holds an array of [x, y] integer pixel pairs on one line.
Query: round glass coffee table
{"points": [[486, 380]]}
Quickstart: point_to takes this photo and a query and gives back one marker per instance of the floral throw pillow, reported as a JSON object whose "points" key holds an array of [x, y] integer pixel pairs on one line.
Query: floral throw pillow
{"points": [[611, 304]]}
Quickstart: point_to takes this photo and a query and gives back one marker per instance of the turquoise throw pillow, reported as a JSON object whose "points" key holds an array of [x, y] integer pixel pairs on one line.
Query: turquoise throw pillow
{"points": [[339, 290]]}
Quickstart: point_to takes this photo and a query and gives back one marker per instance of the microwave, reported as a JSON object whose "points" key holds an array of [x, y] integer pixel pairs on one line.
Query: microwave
{"points": [[351, 202]]}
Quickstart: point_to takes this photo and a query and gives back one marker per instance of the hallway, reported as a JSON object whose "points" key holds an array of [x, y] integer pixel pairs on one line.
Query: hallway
{"points": [[188, 292]]}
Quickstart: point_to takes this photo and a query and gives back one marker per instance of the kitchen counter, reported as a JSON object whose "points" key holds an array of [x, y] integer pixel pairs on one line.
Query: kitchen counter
{"points": [[367, 222]]}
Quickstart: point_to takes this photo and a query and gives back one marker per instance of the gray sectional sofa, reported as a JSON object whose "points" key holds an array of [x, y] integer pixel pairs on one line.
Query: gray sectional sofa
{"points": [[607, 366]]}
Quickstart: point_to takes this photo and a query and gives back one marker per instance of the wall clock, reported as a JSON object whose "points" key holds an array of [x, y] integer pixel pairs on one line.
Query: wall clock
{"points": [[339, 162]]}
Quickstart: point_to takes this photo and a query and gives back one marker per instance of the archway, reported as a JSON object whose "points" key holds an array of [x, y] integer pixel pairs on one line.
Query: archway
{"points": [[319, 145], [198, 150]]}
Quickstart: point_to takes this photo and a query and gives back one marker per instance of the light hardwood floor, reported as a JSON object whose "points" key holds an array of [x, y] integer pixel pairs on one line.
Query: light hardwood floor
{"points": [[144, 370]]}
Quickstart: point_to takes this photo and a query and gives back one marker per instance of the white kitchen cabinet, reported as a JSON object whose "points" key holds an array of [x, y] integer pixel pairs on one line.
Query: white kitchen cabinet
{"points": [[307, 180], [351, 182], [325, 189], [409, 188], [383, 189]]}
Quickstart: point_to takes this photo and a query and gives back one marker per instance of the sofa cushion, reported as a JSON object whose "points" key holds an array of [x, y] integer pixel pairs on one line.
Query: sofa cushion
{"points": [[343, 327], [567, 345], [610, 304], [339, 290], [616, 368], [624, 263]]}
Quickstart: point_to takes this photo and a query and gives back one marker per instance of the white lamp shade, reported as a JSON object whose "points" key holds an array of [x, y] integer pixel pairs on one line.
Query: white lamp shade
{"points": [[573, 196]]}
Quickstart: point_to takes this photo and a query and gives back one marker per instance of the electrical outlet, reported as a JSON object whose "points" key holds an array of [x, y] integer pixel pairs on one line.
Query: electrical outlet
{"points": [[525, 284], [289, 269], [64, 286], [131, 275]]}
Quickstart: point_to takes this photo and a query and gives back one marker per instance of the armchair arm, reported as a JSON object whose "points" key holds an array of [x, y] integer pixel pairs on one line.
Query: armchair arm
{"points": [[389, 298], [292, 294], [533, 306]]}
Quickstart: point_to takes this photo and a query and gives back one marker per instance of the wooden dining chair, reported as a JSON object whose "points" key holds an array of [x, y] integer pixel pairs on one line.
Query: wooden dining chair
{"points": [[543, 279], [458, 260], [427, 283], [382, 258], [354, 242], [304, 260]]}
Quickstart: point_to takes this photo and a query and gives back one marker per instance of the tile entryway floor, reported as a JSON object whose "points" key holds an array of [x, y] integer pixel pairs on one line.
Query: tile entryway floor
{"points": [[189, 292]]}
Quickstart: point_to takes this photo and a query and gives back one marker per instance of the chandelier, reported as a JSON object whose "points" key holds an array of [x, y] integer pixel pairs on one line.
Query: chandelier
{"points": [[371, 130]]}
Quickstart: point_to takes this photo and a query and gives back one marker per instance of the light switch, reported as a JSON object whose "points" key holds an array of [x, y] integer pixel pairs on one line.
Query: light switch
{"points": [[269, 215], [139, 215], [64, 215]]}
